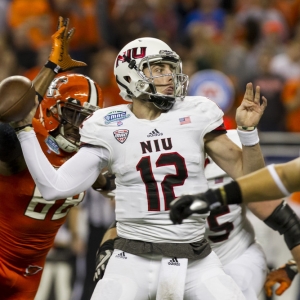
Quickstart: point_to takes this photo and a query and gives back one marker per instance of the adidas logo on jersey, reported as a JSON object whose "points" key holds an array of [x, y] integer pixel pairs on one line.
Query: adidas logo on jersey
{"points": [[174, 262], [155, 132], [121, 255]]}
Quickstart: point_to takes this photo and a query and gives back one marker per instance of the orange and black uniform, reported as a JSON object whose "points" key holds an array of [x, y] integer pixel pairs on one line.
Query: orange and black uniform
{"points": [[28, 225]]}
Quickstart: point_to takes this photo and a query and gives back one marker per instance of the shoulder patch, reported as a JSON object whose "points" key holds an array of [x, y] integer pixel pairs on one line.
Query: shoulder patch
{"points": [[115, 116]]}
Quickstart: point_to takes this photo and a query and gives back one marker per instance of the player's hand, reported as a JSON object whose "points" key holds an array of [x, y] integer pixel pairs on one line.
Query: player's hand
{"points": [[186, 205], [103, 255], [28, 119], [60, 47], [105, 182], [110, 181], [283, 275], [250, 111]]}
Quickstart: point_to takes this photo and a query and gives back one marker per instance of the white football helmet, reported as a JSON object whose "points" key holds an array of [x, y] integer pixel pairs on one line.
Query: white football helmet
{"points": [[142, 53]]}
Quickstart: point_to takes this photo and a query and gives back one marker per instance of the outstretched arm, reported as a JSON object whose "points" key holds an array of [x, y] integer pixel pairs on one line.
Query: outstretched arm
{"points": [[11, 156], [73, 177], [269, 183], [266, 184]]}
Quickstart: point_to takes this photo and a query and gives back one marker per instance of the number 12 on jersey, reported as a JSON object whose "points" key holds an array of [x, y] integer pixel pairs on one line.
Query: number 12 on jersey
{"points": [[169, 182]]}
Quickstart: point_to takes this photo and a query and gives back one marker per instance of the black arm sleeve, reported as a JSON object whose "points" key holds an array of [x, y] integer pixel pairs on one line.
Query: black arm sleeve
{"points": [[284, 220]]}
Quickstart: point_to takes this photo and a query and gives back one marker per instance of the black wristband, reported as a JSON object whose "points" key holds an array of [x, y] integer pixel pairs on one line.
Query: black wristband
{"points": [[284, 220], [17, 129], [291, 270], [54, 67], [228, 194], [108, 245]]}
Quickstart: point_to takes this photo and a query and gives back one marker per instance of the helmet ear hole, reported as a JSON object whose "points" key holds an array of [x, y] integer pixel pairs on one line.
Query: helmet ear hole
{"points": [[127, 78]]}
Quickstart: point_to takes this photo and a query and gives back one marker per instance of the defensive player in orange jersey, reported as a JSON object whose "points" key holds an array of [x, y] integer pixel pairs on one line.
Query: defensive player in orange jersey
{"points": [[28, 223]]}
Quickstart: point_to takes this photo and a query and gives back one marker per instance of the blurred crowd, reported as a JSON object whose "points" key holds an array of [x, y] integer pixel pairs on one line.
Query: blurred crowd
{"points": [[247, 40]]}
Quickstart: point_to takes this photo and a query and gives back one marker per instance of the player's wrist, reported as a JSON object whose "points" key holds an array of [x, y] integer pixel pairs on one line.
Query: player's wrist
{"points": [[229, 193], [246, 128], [107, 245], [53, 66], [26, 127], [248, 138], [291, 269]]}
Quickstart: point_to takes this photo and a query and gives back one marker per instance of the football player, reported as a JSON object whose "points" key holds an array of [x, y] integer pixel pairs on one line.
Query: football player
{"points": [[229, 233], [28, 223], [155, 146]]}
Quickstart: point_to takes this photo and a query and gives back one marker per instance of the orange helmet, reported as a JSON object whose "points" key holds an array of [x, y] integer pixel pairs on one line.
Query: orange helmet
{"points": [[70, 98]]}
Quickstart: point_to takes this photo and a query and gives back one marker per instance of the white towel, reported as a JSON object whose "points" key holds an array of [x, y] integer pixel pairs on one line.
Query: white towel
{"points": [[172, 278]]}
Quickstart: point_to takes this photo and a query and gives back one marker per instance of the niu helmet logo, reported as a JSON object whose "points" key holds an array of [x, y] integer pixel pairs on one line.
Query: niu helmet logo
{"points": [[134, 53]]}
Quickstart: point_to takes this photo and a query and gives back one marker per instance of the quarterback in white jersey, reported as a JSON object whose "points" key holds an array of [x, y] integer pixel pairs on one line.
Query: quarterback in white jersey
{"points": [[166, 145], [232, 238], [156, 148]]}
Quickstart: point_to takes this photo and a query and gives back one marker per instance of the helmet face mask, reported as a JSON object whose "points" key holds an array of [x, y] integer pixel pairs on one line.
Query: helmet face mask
{"points": [[69, 100], [133, 83], [70, 114]]}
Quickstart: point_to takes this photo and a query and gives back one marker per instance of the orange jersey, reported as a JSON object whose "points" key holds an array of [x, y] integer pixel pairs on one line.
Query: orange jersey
{"points": [[28, 225]]}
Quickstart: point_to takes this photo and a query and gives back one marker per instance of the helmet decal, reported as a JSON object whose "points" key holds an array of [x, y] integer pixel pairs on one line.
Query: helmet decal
{"points": [[54, 86], [132, 53]]}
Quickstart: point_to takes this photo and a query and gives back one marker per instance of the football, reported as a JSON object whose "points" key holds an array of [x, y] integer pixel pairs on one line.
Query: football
{"points": [[17, 98]]}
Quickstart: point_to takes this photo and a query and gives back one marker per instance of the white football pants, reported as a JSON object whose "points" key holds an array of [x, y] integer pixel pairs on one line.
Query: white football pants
{"points": [[132, 277], [249, 271]]}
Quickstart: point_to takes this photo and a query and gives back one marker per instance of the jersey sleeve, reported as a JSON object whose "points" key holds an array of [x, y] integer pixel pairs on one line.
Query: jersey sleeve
{"points": [[92, 131], [73, 177], [214, 115]]}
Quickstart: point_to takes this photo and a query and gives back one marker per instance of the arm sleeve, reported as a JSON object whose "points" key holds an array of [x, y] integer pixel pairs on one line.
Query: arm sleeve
{"points": [[73, 177]]}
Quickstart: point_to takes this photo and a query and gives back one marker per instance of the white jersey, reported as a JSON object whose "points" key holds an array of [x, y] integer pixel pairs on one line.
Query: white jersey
{"points": [[228, 230], [155, 161]]}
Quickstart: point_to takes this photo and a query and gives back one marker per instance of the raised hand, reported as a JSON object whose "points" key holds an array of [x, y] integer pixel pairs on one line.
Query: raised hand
{"points": [[250, 111], [60, 48]]}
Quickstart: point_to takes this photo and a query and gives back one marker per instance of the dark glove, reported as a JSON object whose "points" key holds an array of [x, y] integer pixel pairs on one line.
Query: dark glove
{"points": [[103, 255], [110, 182], [283, 275], [186, 205], [109, 185]]}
